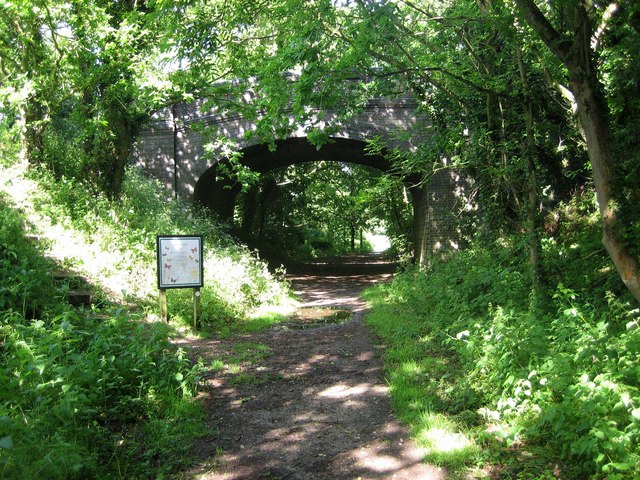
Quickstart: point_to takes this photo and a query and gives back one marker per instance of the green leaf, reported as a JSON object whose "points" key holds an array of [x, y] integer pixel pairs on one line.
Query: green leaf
{"points": [[509, 381]]}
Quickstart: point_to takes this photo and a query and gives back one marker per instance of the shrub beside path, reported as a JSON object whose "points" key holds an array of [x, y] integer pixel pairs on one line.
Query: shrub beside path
{"points": [[307, 403]]}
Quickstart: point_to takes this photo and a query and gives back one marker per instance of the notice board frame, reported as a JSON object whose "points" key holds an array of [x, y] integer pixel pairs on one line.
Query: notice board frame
{"points": [[183, 254]]}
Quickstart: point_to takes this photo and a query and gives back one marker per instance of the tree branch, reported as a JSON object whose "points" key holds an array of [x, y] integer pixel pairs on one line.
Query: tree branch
{"points": [[559, 45], [609, 13]]}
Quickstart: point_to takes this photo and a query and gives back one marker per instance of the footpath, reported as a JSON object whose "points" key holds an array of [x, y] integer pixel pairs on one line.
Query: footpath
{"points": [[307, 399]]}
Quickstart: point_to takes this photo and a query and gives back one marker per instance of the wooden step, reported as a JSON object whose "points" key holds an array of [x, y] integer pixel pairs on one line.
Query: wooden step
{"points": [[60, 275], [64, 275]]}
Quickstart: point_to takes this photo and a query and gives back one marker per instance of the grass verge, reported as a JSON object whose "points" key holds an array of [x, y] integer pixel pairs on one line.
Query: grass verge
{"points": [[495, 385]]}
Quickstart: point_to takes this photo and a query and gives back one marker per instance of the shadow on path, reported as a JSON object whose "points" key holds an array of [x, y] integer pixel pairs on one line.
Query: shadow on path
{"points": [[315, 407]]}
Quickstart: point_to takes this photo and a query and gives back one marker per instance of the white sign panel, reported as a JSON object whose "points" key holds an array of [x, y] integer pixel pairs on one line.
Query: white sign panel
{"points": [[179, 261]]}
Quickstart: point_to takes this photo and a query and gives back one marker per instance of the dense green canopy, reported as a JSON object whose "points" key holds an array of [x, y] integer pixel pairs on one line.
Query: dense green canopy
{"points": [[532, 100], [528, 339]]}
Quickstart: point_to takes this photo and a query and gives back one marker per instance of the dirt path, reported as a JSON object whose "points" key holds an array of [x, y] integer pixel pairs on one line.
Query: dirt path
{"points": [[306, 403]]}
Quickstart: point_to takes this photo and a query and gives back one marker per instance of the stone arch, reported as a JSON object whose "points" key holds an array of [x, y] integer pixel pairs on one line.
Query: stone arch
{"points": [[170, 149], [218, 193], [172, 146]]}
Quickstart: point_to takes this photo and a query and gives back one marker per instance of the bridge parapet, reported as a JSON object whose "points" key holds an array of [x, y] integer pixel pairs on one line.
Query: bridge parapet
{"points": [[173, 147]]}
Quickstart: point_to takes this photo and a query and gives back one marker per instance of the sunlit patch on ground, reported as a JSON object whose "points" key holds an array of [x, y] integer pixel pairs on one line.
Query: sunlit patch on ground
{"points": [[314, 317], [272, 314], [444, 442], [342, 391]]}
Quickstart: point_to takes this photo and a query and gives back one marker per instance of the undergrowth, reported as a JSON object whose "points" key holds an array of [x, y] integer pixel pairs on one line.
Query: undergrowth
{"points": [[238, 287], [495, 382], [93, 393], [101, 391]]}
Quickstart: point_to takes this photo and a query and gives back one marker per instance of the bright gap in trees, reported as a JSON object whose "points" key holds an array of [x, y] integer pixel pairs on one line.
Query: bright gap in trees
{"points": [[318, 209]]}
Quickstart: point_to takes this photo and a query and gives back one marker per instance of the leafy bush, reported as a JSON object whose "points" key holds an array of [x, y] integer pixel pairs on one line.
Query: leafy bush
{"points": [[10, 147], [79, 393], [561, 374], [82, 392], [25, 283]]}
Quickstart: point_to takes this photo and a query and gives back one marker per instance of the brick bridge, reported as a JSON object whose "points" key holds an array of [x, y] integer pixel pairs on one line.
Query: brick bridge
{"points": [[172, 149]]}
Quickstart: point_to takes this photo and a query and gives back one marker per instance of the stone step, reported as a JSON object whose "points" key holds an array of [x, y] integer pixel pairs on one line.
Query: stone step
{"points": [[33, 238], [55, 258], [62, 275], [79, 297]]}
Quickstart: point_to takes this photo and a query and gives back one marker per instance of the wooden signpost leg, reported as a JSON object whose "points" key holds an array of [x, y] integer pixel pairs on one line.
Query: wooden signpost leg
{"points": [[196, 307], [163, 305]]}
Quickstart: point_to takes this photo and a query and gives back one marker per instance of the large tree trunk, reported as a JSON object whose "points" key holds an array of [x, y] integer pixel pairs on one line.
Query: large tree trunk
{"points": [[577, 56], [125, 132], [593, 116], [249, 213]]}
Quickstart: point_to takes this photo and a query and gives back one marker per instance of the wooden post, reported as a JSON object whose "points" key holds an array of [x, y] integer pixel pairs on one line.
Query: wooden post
{"points": [[163, 305], [196, 307]]}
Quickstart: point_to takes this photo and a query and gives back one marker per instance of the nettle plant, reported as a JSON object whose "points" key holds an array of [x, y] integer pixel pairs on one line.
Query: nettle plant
{"points": [[562, 377], [80, 394], [89, 393], [568, 379]]}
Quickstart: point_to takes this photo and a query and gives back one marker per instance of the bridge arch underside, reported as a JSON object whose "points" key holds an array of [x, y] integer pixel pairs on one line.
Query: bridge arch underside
{"points": [[218, 192]]}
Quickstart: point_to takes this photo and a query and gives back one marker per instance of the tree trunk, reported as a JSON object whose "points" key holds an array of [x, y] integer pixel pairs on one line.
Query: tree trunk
{"points": [[249, 213], [33, 134], [532, 180], [269, 189], [577, 56], [125, 133], [592, 111], [352, 235]]}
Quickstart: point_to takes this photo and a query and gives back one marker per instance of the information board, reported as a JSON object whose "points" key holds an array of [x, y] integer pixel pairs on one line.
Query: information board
{"points": [[179, 261]]}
